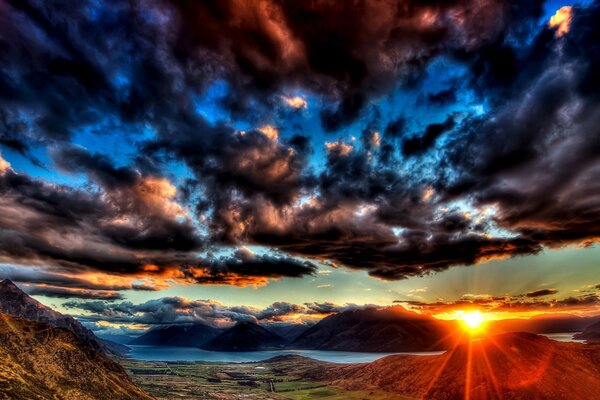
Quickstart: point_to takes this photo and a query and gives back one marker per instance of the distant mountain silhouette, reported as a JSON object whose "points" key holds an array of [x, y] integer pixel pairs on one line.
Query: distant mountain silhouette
{"points": [[43, 362], [392, 329], [115, 338], [178, 335], [14, 301], [591, 333], [245, 337], [289, 332], [517, 366]]}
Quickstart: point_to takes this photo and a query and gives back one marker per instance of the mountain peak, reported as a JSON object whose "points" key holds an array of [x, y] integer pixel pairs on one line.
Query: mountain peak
{"points": [[7, 283], [15, 302]]}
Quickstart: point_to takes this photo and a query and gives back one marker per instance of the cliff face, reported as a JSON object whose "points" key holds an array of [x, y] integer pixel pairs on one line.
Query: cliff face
{"points": [[42, 362]]}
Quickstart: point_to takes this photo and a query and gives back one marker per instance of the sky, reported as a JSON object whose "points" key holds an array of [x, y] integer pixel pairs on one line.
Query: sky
{"points": [[167, 161]]}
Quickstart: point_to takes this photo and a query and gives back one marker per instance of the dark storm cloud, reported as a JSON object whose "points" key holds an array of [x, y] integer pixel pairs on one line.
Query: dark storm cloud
{"points": [[68, 66], [420, 144], [130, 225], [349, 51], [541, 292], [442, 98], [67, 293], [76, 229], [535, 154], [527, 167], [350, 222], [247, 263]]}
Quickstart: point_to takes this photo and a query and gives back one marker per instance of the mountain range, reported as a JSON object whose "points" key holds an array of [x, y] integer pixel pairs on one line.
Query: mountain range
{"points": [[392, 329]]}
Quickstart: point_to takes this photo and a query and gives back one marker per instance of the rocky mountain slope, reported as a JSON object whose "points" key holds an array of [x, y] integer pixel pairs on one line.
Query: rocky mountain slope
{"points": [[43, 362]]}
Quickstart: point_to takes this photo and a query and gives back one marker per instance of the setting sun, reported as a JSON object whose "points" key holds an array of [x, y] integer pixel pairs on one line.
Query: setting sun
{"points": [[472, 320]]}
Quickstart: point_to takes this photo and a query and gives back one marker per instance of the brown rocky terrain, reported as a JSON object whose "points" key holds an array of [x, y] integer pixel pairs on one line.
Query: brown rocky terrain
{"points": [[43, 362]]}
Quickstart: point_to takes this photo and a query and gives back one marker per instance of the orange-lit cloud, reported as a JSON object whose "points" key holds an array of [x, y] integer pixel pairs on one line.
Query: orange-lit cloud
{"points": [[561, 20], [296, 102], [340, 148], [269, 131], [4, 165]]}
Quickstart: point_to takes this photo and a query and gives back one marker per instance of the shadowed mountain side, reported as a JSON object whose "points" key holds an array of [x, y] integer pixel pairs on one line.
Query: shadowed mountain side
{"points": [[591, 333], [178, 335], [391, 329], [42, 362], [245, 337], [508, 366], [15, 302]]}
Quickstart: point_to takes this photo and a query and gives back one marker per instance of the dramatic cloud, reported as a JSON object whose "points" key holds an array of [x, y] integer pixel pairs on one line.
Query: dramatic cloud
{"points": [[218, 148], [131, 225]]}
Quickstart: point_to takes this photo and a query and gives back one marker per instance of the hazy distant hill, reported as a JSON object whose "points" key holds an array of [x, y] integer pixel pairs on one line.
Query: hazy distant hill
{"points": [[14, 301], [178, 335], [245, 337], [42, 362], [391, 329], [510, 366], [545, 323], [591, 333]]}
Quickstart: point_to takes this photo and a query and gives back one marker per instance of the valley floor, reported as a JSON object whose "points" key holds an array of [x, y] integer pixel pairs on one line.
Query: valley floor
{"points": [[282, 379]]}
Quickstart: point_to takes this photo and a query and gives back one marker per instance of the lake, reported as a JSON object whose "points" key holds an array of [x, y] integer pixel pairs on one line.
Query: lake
{"points": [[167, 353], [563, 337]]}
